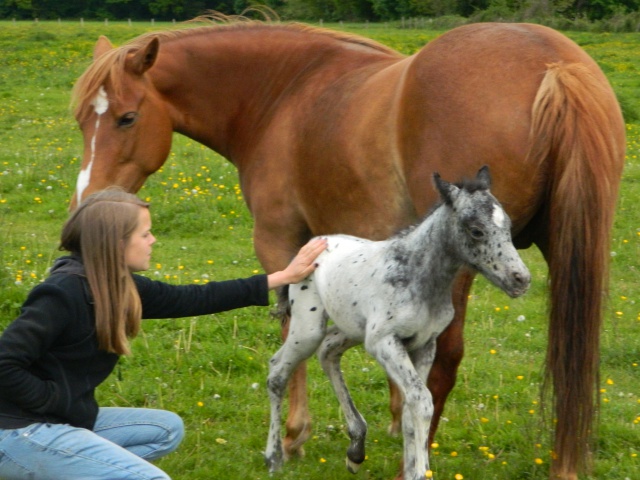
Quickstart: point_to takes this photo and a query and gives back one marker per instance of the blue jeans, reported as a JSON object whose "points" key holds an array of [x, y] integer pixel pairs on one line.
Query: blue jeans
{"points": [[119, 447]]}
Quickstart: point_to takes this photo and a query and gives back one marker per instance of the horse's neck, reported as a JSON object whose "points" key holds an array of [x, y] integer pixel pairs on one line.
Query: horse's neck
{"points": [[225, 88]]}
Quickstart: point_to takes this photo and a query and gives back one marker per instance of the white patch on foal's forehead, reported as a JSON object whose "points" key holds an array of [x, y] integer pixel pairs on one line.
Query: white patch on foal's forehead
{"points": [[101, 102], [498, 216]]}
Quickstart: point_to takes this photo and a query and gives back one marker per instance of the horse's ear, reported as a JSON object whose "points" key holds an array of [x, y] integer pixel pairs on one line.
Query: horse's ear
{"points": [[448, 191], [484, 177], [144, 58], [103, 45]]}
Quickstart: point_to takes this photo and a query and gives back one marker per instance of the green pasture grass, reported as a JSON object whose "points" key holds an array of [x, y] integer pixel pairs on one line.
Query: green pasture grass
{"points": [[212, 369]]}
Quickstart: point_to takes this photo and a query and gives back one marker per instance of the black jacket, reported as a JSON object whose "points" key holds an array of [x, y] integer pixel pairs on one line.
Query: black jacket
{"points": [[50, 364]]}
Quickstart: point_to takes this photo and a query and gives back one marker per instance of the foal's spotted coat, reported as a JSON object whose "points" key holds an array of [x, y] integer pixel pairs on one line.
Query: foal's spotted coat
{"points": [[395, 297]]}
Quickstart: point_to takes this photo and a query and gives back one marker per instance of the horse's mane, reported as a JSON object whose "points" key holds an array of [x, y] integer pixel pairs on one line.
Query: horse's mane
{"points": [[111, 63]]}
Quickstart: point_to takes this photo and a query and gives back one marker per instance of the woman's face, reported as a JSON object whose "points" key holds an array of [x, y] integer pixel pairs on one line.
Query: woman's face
{"points": [[137, 253]]}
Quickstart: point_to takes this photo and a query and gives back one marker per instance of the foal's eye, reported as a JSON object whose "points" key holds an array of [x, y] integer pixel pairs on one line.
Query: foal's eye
{"points": [[476, 233], [128, 119]]}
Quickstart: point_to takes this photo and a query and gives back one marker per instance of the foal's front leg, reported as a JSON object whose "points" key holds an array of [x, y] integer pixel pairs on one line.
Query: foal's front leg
{"points": [[418, 404], [422, 359]]}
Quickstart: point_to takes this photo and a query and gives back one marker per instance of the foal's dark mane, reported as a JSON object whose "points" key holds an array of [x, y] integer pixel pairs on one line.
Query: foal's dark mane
{"points": [[471, 185]]}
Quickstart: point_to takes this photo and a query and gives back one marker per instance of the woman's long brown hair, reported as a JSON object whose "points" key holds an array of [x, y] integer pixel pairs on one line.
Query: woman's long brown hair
{"points": [[98, 231]]}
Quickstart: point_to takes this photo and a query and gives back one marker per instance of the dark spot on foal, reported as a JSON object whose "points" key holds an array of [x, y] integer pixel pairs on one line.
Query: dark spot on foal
{"points": [[313, 309], [304, 287]]}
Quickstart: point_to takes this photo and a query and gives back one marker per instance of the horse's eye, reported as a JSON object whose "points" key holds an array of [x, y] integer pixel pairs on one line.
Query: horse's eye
{"points": [[128, 119], [476, 233]]}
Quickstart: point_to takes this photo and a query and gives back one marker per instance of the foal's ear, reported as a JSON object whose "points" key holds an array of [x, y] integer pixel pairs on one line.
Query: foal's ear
{"points": [[448, 191], [484, 177]]}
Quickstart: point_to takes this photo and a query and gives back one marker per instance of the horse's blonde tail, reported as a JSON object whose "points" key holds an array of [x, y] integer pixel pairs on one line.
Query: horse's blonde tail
{"points": [[578, 128]]}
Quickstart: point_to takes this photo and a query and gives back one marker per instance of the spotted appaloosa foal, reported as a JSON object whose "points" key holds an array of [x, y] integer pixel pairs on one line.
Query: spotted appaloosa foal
{"points": [[395, 296]]}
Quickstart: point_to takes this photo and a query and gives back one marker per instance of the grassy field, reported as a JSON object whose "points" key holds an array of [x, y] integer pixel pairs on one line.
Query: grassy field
{"points": [[212, 370]]}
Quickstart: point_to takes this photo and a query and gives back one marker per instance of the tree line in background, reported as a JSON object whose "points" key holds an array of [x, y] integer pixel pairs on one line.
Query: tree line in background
{"points": [[623, 13]]}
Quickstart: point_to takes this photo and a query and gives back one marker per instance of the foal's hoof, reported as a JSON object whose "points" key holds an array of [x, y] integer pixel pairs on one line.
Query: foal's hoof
{"points": [[352, 466], [273, 463]]}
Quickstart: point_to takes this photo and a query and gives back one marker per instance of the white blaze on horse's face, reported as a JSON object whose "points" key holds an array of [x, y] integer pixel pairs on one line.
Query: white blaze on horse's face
{"points": [[100, 105], [498, 216], [101, 102]]}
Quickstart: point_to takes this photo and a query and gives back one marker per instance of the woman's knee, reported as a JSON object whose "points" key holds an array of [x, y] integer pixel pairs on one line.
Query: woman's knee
{"points": [[175, 435]]}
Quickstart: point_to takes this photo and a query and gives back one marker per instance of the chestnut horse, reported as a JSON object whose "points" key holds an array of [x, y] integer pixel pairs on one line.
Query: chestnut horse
{"points": [[335, 133]]}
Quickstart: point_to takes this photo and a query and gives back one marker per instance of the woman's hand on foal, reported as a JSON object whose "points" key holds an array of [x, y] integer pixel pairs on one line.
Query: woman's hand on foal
{"points": [[301, 266]]}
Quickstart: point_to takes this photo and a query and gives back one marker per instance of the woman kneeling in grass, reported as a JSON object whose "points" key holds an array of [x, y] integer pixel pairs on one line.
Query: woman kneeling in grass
{"points": [[71, 331]]}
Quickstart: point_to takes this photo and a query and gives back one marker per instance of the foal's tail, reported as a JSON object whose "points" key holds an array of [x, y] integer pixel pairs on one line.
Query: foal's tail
{"points": [[578, 128]]}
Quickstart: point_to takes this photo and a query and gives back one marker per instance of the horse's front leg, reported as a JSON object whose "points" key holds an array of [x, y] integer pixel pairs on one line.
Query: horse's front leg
{"points": [[418, 404], [450, 350], [331, 350]]}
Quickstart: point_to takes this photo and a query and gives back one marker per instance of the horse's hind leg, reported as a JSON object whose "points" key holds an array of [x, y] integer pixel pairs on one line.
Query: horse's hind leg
{"points": [[331, 350], [307, 328]]}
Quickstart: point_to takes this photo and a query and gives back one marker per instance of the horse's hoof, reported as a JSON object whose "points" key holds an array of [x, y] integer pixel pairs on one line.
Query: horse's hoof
{"points": [[294, 447], [353, 467], [395, 428], [293, 453]]}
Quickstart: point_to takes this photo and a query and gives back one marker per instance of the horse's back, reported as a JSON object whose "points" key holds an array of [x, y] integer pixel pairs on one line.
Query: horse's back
{"points": [[463, 101], [467, 102]]}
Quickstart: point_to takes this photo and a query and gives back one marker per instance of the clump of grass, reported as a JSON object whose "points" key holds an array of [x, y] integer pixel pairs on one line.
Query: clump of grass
{"points": [[42, 36]]}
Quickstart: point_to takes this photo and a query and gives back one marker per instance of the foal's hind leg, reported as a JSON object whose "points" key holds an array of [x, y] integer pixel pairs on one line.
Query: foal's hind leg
{"points": [[331, 350], [298, 423], [307, 329]]}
